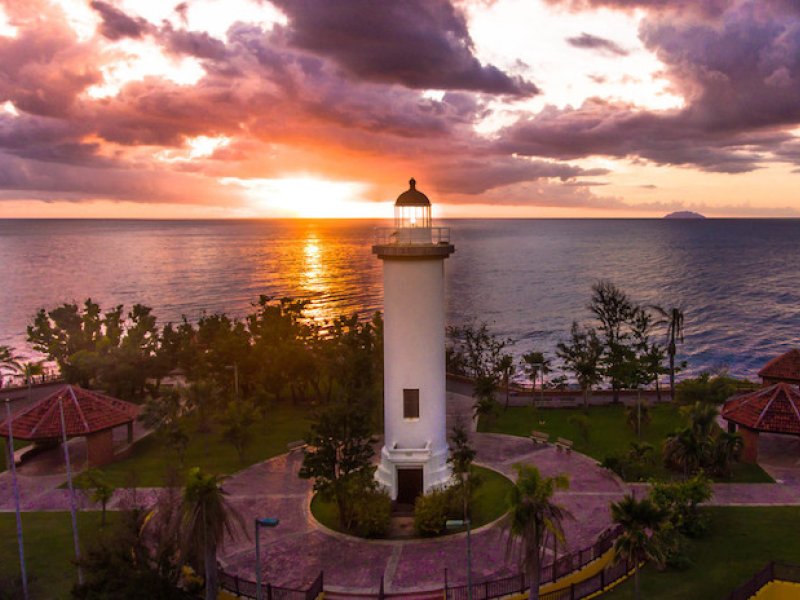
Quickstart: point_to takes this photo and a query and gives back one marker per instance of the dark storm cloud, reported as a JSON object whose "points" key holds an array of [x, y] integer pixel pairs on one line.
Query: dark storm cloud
{"points": [[422, 44], [116, 24], [739, 75], [593, 42]]}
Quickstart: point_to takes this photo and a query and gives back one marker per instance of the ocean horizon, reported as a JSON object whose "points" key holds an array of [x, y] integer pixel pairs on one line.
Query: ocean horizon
{"points": [[528, 278]]}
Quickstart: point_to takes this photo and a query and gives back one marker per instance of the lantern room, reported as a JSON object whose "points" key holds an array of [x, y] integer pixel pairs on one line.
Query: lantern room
{"points": [[412, 209]]}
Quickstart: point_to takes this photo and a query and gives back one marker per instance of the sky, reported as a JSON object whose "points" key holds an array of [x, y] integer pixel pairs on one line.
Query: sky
{"points": [[313, 108]]}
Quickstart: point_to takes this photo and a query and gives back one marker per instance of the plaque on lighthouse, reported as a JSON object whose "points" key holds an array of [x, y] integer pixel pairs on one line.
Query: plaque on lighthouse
{"points": [[414, 455]]}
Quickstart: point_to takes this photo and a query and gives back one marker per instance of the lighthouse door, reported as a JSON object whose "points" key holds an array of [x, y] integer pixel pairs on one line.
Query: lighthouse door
{"points": [[409, 485]]}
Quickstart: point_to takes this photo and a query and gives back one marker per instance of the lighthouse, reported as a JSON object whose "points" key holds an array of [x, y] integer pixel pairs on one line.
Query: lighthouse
{"points": [[414, 455]]}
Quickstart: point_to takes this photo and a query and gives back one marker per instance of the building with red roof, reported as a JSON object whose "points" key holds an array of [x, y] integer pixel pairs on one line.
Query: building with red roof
{"points": [[87, 414], [772, 409], [785, 367]]}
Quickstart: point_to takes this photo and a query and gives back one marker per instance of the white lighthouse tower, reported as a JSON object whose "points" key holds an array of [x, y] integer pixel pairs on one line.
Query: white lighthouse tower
{"points": [[414, 455]]}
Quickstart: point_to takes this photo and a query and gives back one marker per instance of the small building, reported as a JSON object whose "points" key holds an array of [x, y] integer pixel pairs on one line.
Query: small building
{"points": [[87, 414], [772, 409], [785, 367]]}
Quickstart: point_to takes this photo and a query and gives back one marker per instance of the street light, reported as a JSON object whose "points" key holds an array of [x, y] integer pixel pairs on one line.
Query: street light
{"points": [[268, 522], [458, 524]]}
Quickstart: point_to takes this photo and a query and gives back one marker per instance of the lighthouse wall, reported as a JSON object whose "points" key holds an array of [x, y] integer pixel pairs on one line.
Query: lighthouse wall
{"points": [[414, 342]]}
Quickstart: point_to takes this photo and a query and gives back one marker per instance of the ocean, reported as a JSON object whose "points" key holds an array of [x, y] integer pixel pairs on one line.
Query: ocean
{"points": [[737, 280]]}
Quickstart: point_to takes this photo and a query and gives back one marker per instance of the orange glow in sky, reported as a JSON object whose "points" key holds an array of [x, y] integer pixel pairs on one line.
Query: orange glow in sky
{"points": [[511, 108]]}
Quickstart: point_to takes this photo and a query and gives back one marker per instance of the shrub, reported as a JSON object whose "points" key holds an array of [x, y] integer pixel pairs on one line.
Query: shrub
{"points": [[707, 388], [431, 511], [373, 513]]}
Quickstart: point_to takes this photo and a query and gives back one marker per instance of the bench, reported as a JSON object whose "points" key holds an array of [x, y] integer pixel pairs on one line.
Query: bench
{"points": [[296, 445], [540, 437], [564, 444]]}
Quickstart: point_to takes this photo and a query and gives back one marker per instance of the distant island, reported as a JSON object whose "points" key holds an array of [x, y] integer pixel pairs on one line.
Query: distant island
{"points": [[684, 214]]}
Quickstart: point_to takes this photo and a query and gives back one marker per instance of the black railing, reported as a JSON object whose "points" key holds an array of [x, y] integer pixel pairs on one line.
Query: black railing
{"points": [[245, 588], [563, 566], [771, 572]]}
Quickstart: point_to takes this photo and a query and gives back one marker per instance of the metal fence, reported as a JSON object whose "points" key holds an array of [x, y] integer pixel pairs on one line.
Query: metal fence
{"points": [[563, 566], [771, 572], [245, 588]]}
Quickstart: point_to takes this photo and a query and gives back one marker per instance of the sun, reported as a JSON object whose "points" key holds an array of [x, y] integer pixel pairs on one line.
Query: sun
{"points": [[310, 198]]}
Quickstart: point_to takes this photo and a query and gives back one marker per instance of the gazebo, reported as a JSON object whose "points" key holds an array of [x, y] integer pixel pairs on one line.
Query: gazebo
{"points": [[772, 409], [785, 367], [86, 414]]}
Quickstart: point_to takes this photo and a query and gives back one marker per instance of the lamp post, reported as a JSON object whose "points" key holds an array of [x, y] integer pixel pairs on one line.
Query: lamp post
{"points": [[13, 468], [458, 524], [268, 522]]}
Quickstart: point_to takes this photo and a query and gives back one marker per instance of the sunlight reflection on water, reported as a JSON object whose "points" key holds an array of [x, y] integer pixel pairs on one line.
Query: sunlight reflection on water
{"points": [[738, 279]]}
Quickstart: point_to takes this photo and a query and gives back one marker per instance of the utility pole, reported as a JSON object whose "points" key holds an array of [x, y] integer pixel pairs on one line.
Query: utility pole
{"points": [[72, 508], [13, 467]]}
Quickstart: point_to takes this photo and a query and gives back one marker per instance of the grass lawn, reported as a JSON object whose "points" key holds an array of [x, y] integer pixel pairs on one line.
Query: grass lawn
{"points": [[489, 501], [151, 459], [608, 433], [740, 541], [48, 550]]}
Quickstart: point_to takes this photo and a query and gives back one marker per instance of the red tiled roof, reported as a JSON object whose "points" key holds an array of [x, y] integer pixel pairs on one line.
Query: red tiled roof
{"points": [[783, 367], [775, 408], [84, 412]]}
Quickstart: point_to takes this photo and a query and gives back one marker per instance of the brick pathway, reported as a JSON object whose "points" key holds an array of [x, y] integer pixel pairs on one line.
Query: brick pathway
{"points": [[297, 550]]}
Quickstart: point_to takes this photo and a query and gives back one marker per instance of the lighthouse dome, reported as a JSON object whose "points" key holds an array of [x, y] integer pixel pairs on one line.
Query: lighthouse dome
{"points": [[412, 196]]}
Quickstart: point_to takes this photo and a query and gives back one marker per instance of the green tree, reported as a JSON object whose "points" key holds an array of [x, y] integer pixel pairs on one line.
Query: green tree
{"points": [[641, 521], [614, 310], [237, 425], [485, 405], [207, 518], [532, 517], [462, 455], [581, 356], [673, 319], [164, 414], [708, 389], [339, 453]]}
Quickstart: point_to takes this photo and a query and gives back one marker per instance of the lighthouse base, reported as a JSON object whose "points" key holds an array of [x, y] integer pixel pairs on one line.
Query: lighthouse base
{"points": [[408, 472]]}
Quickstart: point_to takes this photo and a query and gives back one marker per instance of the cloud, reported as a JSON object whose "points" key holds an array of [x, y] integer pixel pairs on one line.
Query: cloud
{"points": [[593, 42], [117, 25], [422, 44], [739, 75]]}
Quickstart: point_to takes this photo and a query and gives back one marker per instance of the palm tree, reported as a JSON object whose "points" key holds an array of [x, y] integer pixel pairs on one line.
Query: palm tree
{"points": [[685, 450], [535, 364], [207, 517], [506, 366], [727, 449], [30, 370], [10, 361], [673, 319], [532, 517], [641, 521], [702, 417]]}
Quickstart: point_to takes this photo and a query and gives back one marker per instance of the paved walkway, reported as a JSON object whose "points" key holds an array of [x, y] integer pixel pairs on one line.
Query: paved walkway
{"points": [[297, 550]]}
